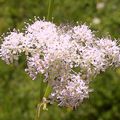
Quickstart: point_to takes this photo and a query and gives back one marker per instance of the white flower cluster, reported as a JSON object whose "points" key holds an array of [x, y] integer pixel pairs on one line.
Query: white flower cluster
{"points": [[70, 91], [68, 57]]}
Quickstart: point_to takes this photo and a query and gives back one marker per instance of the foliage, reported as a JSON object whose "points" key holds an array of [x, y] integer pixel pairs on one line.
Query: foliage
{"points": [[19, 94]]}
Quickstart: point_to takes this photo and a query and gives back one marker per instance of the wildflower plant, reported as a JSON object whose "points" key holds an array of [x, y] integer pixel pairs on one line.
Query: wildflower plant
{"points": [[67, 56]]}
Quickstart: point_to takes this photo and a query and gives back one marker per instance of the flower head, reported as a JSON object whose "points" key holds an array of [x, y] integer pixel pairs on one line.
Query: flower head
{"points": [[68, 57]]}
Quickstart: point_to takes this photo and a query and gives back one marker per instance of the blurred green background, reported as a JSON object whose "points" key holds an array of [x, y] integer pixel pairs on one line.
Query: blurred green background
{"points": [[19, 95]]}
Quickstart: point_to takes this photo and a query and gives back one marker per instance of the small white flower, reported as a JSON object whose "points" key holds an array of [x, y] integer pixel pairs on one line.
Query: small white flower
{"points": [[12, 46], [100, 5], [82, 34], [71, 92], [96, 21]]}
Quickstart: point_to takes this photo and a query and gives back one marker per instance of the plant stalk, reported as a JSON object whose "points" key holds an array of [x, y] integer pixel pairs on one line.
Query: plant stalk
{"points": [[50, 9], [43, 103]]}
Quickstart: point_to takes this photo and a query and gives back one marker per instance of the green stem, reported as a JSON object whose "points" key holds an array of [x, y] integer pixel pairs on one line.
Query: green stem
{"points": [[47, 91], [50, 9], [41, 90], [37, 117], [48, 88], [43, 103]]}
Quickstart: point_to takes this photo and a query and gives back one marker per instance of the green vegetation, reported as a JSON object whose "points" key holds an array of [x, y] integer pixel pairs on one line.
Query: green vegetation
{"points": [[19, 95]]}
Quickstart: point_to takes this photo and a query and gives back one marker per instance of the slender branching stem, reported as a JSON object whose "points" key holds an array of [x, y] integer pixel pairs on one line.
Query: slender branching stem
{"points": [[42, 105], [50, 9]]}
